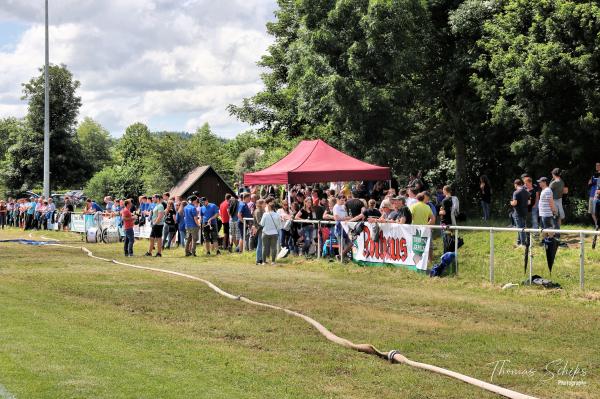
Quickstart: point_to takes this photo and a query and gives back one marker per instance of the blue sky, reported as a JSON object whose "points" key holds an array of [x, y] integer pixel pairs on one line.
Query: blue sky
{"points": [[10, 32], [173, 65]]}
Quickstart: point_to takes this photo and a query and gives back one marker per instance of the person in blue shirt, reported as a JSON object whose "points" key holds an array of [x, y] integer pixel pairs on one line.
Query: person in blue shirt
{"points": [[30, 214], [210, 212], [192, 225], [243, 212], [593, 186], [93, 207]]}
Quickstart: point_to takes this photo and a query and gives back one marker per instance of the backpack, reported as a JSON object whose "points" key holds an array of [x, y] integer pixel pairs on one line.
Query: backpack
{"points": [[233, 205]]}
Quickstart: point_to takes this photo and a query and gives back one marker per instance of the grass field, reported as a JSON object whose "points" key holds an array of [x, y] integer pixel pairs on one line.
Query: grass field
{"points": [[75, 327]]}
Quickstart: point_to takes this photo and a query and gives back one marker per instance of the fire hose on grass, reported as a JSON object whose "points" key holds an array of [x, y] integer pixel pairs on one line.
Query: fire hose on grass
{"points": [[393, 356]]}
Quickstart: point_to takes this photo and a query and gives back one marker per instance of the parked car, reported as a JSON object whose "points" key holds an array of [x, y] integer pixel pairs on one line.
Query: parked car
{"points": [[26, 194]]}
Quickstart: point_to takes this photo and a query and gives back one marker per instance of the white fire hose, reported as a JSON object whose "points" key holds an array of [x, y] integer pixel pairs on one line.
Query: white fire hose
{"points": [[393, 356]]}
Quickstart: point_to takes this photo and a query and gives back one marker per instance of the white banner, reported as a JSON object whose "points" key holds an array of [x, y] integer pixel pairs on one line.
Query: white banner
{"points": [[77, 223], [396, 244]]}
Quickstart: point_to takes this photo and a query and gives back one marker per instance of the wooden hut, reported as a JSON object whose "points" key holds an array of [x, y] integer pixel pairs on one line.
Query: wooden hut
{"points": [[206, 181]]}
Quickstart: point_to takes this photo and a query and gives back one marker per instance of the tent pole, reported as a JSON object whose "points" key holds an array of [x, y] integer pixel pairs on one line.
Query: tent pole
{"points": [[289, 198]]}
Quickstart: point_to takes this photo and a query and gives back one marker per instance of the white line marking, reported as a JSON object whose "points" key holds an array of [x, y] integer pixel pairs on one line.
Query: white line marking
{"points": [[4, 394]]}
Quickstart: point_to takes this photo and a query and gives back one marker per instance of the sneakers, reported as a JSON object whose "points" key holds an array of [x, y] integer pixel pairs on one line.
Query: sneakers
{"points": [[147, 254], [188, 254], [208, 253], [158, 255], [218, 252]]}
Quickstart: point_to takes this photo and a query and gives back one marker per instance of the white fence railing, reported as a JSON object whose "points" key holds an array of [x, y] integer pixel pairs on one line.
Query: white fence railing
{"points": [[456, 229]]}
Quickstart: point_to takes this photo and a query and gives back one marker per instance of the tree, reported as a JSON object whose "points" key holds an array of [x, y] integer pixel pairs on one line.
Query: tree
{"points": [[24, 166], [538, 77], [347, 71], [95, 144]]}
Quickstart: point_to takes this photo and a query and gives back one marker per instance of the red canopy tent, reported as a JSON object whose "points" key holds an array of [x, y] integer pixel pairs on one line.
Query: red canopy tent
{"points": [[314, 161]]}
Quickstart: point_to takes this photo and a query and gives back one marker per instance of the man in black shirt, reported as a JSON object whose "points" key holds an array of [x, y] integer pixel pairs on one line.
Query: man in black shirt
{"points": [[446, 208], [401, 213], [355, 209], [520, 203]]}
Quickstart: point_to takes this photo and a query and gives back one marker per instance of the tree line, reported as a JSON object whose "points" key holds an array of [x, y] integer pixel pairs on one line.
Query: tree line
{"points": [[84, 155], [454, 88]]}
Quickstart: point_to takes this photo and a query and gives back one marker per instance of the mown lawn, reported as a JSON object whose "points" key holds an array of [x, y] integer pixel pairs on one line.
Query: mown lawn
{"points": [[74, 327]]}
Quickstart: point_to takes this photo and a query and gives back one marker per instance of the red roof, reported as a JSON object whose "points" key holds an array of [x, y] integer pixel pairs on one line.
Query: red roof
{"points": [[314, 161]]}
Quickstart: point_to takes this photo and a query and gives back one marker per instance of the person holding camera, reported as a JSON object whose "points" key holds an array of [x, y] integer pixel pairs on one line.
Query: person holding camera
{"points": [[209, 213]]}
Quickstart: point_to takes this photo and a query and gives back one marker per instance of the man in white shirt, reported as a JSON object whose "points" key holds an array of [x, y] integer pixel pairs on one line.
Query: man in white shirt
{"points": [[547, 207]]}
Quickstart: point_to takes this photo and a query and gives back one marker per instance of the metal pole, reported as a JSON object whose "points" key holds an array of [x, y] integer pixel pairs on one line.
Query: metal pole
{"points": [[46, 116], [581, 259], [530, 265], [530, 236], [492, 256], [243, 234], [456, 250], [319, 240], [341, 244]]}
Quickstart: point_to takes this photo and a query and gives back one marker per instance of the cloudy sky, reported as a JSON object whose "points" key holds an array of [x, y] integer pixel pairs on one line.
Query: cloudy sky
{"points": [[172, 64]]}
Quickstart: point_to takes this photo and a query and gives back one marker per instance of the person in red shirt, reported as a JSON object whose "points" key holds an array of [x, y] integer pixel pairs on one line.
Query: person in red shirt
{"points": [[224, 214], [127, 219]]}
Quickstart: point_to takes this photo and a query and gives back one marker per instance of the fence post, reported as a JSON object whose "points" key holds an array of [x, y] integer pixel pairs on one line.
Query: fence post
{"points": [[530, 264], [530, 236], [243, 235], [340, 243], [456, 249], [492, 256], [319, 239], [581, 260]]}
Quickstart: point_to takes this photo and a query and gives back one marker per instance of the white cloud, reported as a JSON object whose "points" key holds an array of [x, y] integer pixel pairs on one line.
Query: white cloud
{"points": [[177, 64]]}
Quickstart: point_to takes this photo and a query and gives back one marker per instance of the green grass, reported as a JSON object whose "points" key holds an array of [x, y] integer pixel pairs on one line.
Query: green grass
{"points": [[74, 327]]}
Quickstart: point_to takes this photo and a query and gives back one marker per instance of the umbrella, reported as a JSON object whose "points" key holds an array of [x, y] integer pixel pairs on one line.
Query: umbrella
{"points": [[551, 245], [526, 253]]}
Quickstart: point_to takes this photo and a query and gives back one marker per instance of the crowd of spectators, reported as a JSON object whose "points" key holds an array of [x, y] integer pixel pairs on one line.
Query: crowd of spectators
{"points": [[265, 217]]}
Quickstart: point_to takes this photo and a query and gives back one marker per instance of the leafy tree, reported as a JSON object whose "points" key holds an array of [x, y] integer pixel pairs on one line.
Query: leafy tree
{"points": [[538, 77], [95, 144], [24, 167], [247, 161], [135, 144]]}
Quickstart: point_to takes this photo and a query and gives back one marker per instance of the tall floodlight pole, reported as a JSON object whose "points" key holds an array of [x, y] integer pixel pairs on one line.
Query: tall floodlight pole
{"points": [[46, 117]]}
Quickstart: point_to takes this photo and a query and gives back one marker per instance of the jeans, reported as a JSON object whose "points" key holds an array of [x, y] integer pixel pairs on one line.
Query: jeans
{"points": [[487, 209], [269, 246], [259, 247], [129, 240], [535, 217], [181, 235], [165, 236], [520, 223], [547, 222], [307, 234]]}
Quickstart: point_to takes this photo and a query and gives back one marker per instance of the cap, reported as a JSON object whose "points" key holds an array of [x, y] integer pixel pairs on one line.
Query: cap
{"points": [[556, 172], [543, 179], [202, 199]]}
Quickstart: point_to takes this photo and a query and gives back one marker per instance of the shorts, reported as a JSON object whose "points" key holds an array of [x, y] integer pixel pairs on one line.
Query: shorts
{"points": [[234, 232], [157, 231], [226, 228], [591, 209], [210, 234], [559, 208]]}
